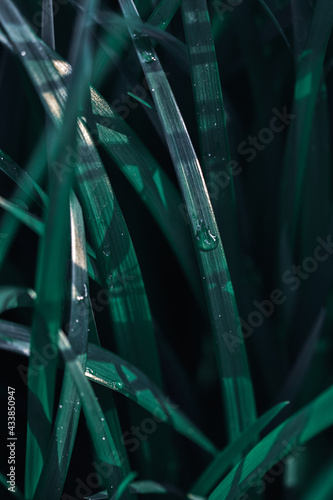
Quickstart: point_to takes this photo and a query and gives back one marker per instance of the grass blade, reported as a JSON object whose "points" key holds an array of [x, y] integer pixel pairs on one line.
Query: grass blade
{"points": [[211, 123], [22, 179], [57, 460]]}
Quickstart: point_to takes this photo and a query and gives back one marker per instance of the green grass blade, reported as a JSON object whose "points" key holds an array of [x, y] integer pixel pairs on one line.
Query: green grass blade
{"points": [[211, 122], [38, 227], [22, 179], [23, 215], [234, 373], [294, 432], [63, 436], [12, 297], [109, 370], [226, 458], [164, 13]]}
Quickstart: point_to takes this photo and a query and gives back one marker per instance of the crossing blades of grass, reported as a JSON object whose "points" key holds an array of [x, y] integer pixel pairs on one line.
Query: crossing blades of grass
{"points": [[226, 458], [118, 265], [100, 433], [108, 369], [234, 373], [145, 175], [104, 219], [294, 432], [38, 227]]}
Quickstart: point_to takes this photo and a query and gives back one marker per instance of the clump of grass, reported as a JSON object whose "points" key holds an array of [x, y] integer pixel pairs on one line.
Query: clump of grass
{"points": [[165, 248]]}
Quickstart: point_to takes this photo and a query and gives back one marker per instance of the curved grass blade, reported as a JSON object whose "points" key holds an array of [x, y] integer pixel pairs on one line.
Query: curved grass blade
{"points": [[276, 23], [292, 433], [226, 458], [22, 179], [232, 363], [26, 217], [148, 180], [36, 171], [12, 297], [211, 122], [124, 485], [108, 369]]}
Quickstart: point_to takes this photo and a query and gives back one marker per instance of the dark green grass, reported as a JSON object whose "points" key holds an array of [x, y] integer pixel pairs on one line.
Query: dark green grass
{"points": [[165, 248]]}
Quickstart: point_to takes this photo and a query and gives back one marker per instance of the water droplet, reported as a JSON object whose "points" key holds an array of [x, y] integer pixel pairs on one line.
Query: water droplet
{"points": [[205, 240], [79, 297], [147, 56], [23, 53], [60, 406], [76, 321], [103, 438], [106, 253], [85, 290]]}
